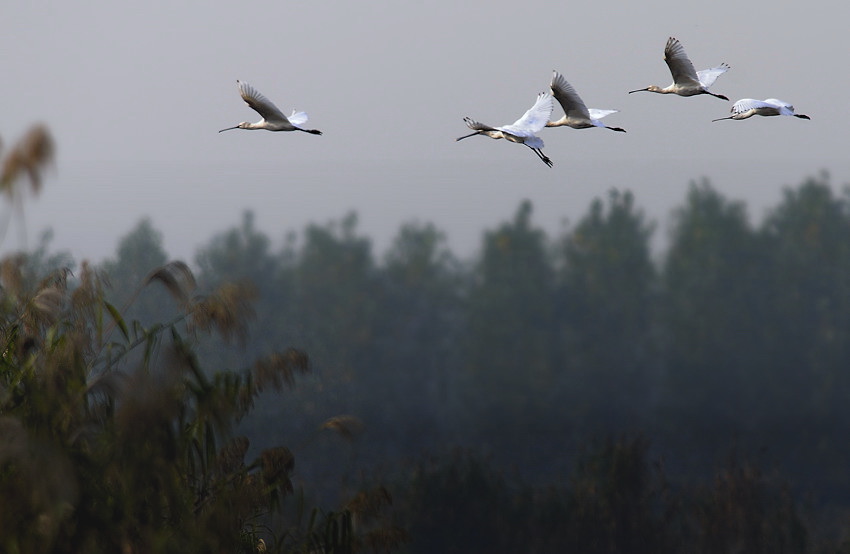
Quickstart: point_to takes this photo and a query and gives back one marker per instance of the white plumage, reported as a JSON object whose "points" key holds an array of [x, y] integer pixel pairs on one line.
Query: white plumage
{"points": [[687, 81], [748, 107], [273, 118], [523, 130]]}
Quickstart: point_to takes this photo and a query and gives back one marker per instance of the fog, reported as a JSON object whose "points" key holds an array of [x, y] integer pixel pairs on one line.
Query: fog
{"points": [[135, 96]]}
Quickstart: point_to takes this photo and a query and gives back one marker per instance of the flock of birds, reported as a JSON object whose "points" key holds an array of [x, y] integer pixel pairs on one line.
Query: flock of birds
{"points": [[686, 82]]}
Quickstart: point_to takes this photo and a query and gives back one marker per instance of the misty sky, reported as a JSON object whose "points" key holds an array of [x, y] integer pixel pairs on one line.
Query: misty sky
{"points": [[135, 96]]}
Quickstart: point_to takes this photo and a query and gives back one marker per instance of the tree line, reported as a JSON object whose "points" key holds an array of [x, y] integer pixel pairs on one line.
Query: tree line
{"points": [[731, 344], [734, 336]]}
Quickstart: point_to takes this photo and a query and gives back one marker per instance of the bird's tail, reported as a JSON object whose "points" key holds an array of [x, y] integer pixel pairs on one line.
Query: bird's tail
{"points": [[298, 118]]}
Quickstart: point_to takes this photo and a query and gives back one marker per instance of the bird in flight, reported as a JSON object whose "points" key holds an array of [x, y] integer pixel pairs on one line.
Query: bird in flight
{"points": [[686, 80], [523, 130], [273, 118], [576, 114], [748, 107]]}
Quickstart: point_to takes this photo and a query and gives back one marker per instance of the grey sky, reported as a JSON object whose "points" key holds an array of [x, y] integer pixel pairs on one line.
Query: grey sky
{"points": [[135, 95]]}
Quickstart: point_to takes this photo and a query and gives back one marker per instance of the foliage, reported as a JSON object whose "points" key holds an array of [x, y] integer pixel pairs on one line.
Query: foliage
{"points": [[713, 309], [508, 338], [28, 158], [613, 501], [138, 449], [137, 253], [606, 291], [744, 510]]}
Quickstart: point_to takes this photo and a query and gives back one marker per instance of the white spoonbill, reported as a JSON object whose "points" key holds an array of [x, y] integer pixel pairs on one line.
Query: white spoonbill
{"points": [[273, 118], [748, 107], [523, 130], [686, 80], [576, 114]]}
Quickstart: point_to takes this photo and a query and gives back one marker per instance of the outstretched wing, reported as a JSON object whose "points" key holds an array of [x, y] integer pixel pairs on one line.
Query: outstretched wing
{"points": [[680, 65], [534, 119], [568, 98], [785, 108], [746, 104], [708, 76], [259, 103]]}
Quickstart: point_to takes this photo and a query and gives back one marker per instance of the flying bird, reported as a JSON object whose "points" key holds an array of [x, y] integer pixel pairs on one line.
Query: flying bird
{"points": [[748, 107], [576, 114], [523, 130], [686, 80], [273, 118]]}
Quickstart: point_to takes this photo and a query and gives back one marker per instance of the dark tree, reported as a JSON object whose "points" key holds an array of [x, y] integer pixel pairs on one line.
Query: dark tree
{"points": [[508, 392], [605, 298]]}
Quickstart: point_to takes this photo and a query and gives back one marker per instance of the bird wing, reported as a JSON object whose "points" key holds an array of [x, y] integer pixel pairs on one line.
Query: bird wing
{"points": [[260, 103], [568, 98], [599, 114], [534, 119], [785, 108], [680, 65], [708, 76], [476, 126], [747, 104]]}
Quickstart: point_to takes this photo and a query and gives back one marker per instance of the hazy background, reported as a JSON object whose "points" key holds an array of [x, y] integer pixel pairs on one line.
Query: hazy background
{"points": [[135, 95]]}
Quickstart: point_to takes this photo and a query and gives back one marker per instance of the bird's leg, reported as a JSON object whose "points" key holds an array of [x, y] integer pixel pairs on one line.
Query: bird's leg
{"points": [[542, 156]]}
